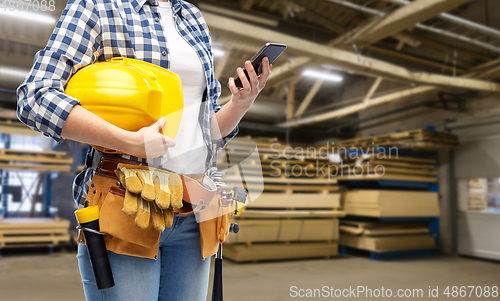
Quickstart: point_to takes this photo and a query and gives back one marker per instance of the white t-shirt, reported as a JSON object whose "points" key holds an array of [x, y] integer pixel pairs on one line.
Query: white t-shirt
{"points": [[190, 153]]}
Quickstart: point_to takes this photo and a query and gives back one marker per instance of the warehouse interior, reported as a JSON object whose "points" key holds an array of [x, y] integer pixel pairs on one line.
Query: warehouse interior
{"points": [[370, 158]]}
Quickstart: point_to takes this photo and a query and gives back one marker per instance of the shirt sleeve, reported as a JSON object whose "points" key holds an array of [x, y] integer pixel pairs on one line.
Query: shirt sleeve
{"points": [[225, 140], [216, 86], [74, 43]]}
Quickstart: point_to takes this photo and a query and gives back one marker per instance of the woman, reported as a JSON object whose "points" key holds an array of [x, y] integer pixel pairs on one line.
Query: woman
{"points": [[174, 36]]}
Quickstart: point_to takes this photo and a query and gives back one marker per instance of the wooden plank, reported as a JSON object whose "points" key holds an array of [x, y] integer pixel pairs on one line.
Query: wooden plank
{"points": [[395, 177], [35, 167], [382, 229], [388, 203], [289, 189], [30, 223], [55, 239], [298, 200], [286, 181], [16, 128], [285, 230], [261, 252], [36, 159], [32, 152], [273, 214], [388, 243]]}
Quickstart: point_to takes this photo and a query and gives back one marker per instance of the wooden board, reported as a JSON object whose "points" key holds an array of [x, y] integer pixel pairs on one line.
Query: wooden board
{"points": [[382, 229], [289, 189], [33, 223], [417, 139], [389, 157], [391, 203], [380, 169], [388, 243], [33, 230], [279, 251], [7, 151], [273, 214], [35, 158], [291, 180], [35, 167], [297, 200], [395, 177], [285, 230], [53, 239]]}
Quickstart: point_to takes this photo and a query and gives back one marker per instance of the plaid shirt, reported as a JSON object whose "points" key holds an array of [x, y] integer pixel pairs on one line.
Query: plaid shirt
{"points": [[97, 30]]}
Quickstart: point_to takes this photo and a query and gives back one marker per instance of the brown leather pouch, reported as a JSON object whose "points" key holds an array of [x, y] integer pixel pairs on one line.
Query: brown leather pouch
{"points": [[122, 236], [214, 227]]}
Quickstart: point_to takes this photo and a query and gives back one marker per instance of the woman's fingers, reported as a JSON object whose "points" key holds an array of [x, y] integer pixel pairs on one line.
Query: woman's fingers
{"points": [[266, 71], [167, 141], [161, 123], [232, 86], [155, 143], [244, 80], [254, 79]]}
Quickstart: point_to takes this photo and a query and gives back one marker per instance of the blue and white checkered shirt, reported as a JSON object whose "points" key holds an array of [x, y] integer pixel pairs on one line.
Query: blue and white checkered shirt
{"points": [[97, 30]]}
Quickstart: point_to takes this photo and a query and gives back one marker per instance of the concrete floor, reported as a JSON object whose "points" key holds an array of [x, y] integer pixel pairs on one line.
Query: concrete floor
{"points": [[38, 277]]}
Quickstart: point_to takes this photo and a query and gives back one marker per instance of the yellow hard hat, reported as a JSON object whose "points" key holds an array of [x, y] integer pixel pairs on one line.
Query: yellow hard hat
{"points": [[129, 93]]}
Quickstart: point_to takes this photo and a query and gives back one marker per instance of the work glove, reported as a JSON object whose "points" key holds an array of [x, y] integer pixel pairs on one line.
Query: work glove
{"points": [[153, 195]]}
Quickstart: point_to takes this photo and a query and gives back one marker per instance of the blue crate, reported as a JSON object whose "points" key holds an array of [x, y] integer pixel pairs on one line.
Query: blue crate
{"points": [[400, 185]]}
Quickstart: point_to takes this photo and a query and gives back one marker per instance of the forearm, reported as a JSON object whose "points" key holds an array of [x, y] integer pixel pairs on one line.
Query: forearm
{"points": [[84, 126], [226, 119]]}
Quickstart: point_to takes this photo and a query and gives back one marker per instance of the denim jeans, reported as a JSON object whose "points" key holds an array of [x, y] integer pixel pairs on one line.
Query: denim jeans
{"points": [[178, 274]]}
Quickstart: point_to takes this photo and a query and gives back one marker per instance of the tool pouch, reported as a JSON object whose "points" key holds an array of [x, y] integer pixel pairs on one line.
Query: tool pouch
{"points": [[122, 236]]}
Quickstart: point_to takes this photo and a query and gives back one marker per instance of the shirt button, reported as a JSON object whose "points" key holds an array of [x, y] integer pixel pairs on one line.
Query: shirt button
{"points": [[157, 19], [164, 53]]}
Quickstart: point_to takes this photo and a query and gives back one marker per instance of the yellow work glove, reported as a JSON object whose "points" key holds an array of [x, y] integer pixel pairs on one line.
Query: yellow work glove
{"points": [[148, 188], [153, 197], [132, 200], [162, 191], [176, 190]]}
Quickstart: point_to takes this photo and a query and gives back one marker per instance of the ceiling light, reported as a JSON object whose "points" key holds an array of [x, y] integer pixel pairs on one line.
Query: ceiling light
{"points": [[27, 15], [218, 52], [322, 75]]}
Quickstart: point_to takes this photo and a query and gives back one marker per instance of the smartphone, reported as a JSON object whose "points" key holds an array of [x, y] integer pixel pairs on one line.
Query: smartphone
{"points": [[271, 51]]}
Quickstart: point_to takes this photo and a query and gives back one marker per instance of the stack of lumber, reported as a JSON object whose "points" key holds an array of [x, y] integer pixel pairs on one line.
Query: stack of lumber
{"points": [[280, 234], [391, 203], [10, 124], [15, 232], [478, 194], [385, 237], [387, 166], [34, 160], [287, 216], [414, 139]]}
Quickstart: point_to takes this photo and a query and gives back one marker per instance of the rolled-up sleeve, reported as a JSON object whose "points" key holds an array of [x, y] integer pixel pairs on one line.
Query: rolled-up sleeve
{"points": [[74, 43], [225, 140]]}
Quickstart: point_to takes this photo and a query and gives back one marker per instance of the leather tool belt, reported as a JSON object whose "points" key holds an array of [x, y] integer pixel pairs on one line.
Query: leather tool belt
{"points": [[122, 236]]}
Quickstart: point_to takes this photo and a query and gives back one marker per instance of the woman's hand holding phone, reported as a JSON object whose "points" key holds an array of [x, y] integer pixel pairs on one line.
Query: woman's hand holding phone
{"points": [[244, 98]]}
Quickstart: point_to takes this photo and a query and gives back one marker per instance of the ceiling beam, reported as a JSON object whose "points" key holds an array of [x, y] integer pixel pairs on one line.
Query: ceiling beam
{"points": [[403, 18], [309, 97], [342, 59], [399, 96]]}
